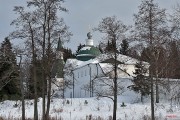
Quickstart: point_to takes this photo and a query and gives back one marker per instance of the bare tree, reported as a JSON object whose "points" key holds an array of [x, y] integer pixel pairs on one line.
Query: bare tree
{"points": [[150, 26], [175, 23], [47, 28], [114, 31], [26, 23], [174, 53]]}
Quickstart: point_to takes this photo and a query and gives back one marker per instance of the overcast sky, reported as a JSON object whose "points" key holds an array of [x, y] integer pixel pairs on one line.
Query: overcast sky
{"points": [[81, 15]]}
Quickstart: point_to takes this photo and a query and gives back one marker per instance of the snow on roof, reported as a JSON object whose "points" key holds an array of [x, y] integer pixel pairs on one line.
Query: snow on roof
{"points": [[121, 58], [74, 63], [86, 48]]}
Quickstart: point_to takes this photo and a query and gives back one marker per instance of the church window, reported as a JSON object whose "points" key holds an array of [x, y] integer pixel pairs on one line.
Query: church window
{"points": [[78, 74], [85, 73]]}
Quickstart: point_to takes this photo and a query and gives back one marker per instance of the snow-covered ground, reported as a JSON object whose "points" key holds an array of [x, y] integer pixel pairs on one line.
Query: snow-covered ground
{"points": [[82, 108]]}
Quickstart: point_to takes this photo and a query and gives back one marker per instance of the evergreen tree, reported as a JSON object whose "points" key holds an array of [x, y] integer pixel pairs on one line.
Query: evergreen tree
{"points": [[141, 81], [79, 47], [9, 82], [110, 46], [124, 47], [39, 80], [174, 61], [67, 53], [159, 66]]}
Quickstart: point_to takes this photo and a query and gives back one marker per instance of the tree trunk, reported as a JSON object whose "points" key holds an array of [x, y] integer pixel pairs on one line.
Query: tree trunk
{"points": [[35, 95], [157, 91], [22, 90], [152, 100], [34, 73], [49, 62], [48, 99], [43, 96], [151, 78], [73, 84], [115, 85], [43, 75], [141, 98]]}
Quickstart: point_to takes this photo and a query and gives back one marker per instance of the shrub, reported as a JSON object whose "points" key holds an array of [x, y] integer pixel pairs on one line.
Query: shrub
{"points": [[123, 104], [85, 102], [15, 105], [67, 102]]}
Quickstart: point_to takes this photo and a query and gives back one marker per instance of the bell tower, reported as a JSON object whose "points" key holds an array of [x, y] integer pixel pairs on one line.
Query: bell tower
{"points": [[59, 62], [59, 50]]}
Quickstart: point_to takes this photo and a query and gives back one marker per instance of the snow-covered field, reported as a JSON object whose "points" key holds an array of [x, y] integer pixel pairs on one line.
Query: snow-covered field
{"points": [[82, 108], [100, 109]]}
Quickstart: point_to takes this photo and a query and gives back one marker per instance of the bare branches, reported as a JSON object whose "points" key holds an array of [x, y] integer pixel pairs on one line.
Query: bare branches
{"points": [[114, 31], [113, 28], [150, 15]]}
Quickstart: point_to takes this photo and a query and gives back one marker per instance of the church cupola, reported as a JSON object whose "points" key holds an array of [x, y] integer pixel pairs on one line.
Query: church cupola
{"points": [[88, 51], [89, 41]]}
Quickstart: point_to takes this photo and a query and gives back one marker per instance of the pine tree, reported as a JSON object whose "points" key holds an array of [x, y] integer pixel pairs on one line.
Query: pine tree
{"points": [[39, 80], [124, 47], [110, 46], [174, 63], [67, 53], [9, 74], [141, 81], [79, 47]]}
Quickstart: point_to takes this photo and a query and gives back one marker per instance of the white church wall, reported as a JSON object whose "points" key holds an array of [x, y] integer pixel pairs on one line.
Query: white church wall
{"points": [[84, 74], [86, 71], [82, 77]]}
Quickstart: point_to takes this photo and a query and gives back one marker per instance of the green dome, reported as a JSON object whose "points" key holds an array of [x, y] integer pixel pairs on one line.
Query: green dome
{"points": [[87, 53]]}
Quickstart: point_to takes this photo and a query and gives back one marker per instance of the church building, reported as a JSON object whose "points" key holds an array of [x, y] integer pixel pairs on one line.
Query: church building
{"points": [[89, 66]]}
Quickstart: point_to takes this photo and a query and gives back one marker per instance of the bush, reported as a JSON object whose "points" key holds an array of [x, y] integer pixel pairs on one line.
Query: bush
{"points": [[15, 105], [123, 104], [85, 102], [67, 102]]}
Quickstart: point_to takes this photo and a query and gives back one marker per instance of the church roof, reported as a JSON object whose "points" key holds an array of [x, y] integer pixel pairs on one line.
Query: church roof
{"points": [[123, 59], [87, 53], [103, 59], [59, 45]]}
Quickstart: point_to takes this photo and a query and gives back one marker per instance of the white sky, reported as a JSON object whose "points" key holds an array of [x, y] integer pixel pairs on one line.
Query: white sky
{"points": [[81, 15]]}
